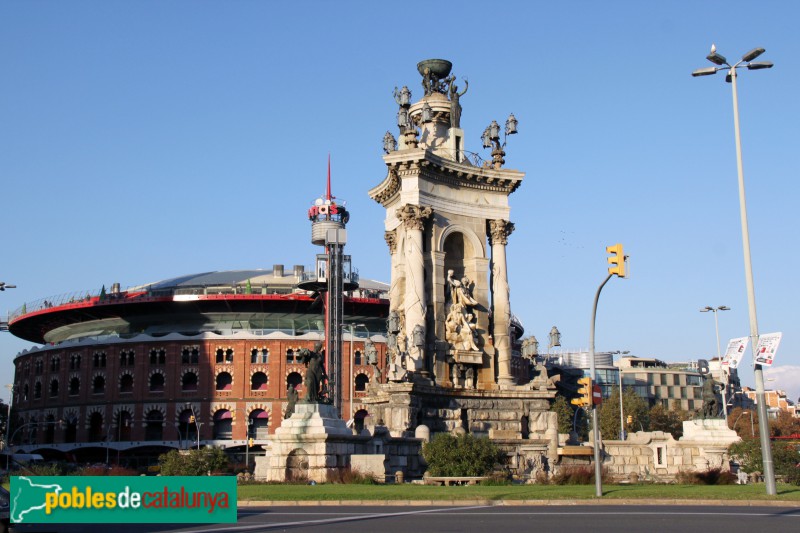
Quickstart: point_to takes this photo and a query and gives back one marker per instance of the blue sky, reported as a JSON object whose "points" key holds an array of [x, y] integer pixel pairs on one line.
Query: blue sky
{"points": [[145, 140]]}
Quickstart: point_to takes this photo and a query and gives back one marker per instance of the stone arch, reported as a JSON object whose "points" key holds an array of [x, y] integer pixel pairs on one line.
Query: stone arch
{"points": [[94, 409], [360, 382], [190, 380], [154, 407], [223, 380], [259, 381], [98, 383], [476, 244], [156, 381], [74, 385], [297, 465], [358, 419], [53, 391], [125, 382]]}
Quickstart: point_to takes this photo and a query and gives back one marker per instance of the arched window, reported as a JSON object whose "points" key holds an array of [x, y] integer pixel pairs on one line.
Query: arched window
{"points": [[37, 390], [96, 427], [74, 386], [224, 355], [157, 382], [188, 426], [190, 355], [224, 381], [126, 383], [71, 430], [223, 425], [259, 381], [158, 356], [290, 356], [189, 381], [54, 388], [361, 382], [259, 424], [358, 419], [294, 379], [357, 357], [50, 429], [124, 423], [259, 355], [154, 425], [98, 385]]}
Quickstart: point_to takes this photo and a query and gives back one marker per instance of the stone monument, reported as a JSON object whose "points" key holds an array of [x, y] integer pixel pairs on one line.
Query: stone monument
{"points": [[449, 329]]}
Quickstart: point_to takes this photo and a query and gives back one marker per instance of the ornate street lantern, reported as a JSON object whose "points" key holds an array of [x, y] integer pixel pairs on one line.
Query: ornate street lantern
{"points": [[555, 337], [427, 113], [511, 125]]}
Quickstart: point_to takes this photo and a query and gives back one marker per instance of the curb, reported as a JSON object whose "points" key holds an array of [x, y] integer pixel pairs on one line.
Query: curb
{"points": [[518, 503]]}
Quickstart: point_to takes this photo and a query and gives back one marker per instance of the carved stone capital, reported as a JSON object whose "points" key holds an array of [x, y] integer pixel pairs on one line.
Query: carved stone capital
{"points": [[391, 240], [499, 230], [414, 216]]}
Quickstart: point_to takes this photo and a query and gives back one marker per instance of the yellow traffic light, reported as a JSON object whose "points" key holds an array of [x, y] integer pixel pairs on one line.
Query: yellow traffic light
{"points": [[585, 392], [191, 419], [617, 260], [630, 419], [250, 442]]}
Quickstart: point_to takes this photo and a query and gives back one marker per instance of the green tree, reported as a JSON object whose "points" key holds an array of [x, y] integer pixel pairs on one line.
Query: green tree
{"points": [[633, 406], [200, 462], [784, 458], [464, 455], [668, 420], [564, 412]]}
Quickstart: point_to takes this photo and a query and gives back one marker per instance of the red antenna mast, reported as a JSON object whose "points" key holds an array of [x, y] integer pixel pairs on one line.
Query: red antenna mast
{"points": [[328, 192]]}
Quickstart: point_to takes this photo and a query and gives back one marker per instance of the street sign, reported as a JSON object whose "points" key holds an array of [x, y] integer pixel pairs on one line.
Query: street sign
{"points": [[767, 346], [597, 395], [735, 351]]}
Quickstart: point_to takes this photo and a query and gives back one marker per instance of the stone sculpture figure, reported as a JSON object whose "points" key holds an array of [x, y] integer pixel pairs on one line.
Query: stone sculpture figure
{"points": [[460, 292], [291, 396], [710, 403], [460, 321], [371, 353], [469, 377], [315, 375], [455, 105]]}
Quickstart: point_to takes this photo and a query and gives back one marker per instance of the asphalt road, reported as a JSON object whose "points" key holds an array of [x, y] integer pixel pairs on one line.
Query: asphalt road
{"points": [[488, 519]]}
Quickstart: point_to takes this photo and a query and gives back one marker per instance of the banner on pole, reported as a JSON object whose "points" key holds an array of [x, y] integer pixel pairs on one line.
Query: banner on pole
{"points": [[767, 346], [735, 351]]}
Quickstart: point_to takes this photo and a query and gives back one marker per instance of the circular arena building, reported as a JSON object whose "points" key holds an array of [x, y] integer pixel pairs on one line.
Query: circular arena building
{"points": [[206, 359]]}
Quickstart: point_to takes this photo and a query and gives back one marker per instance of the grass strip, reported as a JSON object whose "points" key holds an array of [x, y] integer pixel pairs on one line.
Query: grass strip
{"points": [[328, 492]]}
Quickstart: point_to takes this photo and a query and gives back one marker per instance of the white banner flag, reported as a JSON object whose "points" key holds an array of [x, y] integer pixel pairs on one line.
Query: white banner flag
{"points": [[767, 346], [735, 351]]}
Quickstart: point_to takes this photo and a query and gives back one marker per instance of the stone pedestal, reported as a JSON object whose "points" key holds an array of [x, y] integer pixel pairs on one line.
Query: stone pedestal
{"points": [[311, 444], [711, 437]]}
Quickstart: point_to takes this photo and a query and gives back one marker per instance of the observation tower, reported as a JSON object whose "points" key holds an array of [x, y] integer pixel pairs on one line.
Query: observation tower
{"points": [[333, 277]]}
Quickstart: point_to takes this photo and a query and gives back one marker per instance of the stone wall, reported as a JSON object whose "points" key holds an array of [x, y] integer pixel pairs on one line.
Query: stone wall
{"points": [[657, 456]]}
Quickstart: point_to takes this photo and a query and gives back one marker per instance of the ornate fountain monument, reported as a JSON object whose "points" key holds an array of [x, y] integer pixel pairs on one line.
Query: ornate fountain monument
{"points": [[447, 227]]}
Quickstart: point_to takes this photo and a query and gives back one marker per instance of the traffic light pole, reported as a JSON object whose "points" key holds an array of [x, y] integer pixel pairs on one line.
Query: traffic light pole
{"points": [[598, 470]]}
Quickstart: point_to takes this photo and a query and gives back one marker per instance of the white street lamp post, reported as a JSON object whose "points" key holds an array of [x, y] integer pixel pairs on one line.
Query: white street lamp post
{"points": [[763, 422]]}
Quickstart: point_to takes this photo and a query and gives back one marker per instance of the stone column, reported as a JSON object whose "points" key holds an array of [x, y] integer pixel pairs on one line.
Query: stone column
{"points": [[499, 230], [414, 302], [391, 241]]}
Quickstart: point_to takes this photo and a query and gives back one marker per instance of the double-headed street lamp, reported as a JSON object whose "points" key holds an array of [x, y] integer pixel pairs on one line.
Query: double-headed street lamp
{"points": [[722, 64]]}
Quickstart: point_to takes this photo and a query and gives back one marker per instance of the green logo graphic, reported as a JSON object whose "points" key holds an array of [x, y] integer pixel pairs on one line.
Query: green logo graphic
{"points": [[122, 499]]}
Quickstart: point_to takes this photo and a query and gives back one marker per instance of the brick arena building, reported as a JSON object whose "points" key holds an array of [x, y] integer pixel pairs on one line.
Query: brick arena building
{"points": [[196, 360]]}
